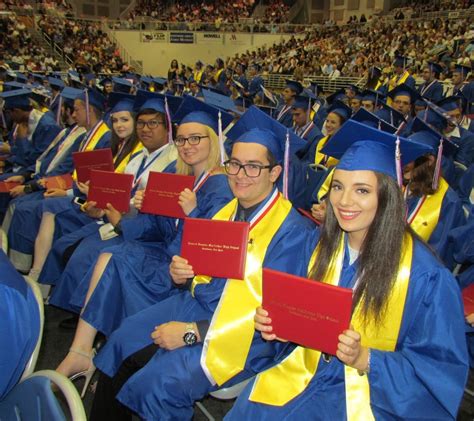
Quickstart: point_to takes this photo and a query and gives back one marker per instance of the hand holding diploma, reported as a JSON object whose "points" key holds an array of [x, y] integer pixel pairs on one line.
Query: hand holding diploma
{"points": [[187, 200], [138, 199], [351, 352], [180, 270], [263, 325]]}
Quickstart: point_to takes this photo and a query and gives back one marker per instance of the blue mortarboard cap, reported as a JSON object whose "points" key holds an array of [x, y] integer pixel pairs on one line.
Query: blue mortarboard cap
{"points": [[211, 88], [122, 85], [420, 102], [199, 63], [256, 66], [174, 102], [353, 88], [120, 101], [149, 100], [17, 98], [341, 109], [375, 71], [105, 80], [74, 76], [371, 120], [194, 111], [257, 127], [304, 101], [434, 67], [404, 90], [360, 147], [10, 86], [38, 78], [339, 95], [464, 70], [401, 61], [315, 88], [160, 80], [223, 102], [96, 99], [434, 116], [89, 76], [56, 83], [371, 95], [294, 85], [20, 77], [243, 102], [451, 103], [427, 135], [70, 94], [390, 115], [146, 80]]}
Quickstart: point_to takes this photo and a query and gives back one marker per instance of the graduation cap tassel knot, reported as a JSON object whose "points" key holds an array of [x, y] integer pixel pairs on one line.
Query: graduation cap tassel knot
{"points": [[88, 117], [221, 138], [437, 171], [398, 162], [168, 122], [286, 165]]}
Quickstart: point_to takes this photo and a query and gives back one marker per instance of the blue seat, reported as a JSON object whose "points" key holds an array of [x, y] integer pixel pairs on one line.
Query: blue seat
{"points": [[33, 399]]}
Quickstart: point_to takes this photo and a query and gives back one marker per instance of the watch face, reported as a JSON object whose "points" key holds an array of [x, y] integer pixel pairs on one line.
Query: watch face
{"points": [[189, 338]]}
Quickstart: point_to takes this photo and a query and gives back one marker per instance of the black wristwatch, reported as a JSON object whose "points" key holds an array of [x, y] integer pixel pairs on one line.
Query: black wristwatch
{"points": [[118, 228], [190, 337], [27, 189]]}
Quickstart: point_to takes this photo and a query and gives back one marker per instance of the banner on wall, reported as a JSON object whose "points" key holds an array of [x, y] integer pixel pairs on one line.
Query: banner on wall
{"points": [[182, 37], [209, 38], [154, 37], [239, 39]]}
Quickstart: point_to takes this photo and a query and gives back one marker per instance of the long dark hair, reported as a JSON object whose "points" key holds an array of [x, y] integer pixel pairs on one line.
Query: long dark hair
{"points": [[129, 146], [421, 181], [379, 256]]}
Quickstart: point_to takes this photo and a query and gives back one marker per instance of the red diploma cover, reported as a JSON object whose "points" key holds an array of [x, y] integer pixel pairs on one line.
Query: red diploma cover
{"points": [[162, 193], [6, 187], [468, 299], [309, 313], [308, 215], [109, 187], [215, 248], [84, 162], [63, 182]]}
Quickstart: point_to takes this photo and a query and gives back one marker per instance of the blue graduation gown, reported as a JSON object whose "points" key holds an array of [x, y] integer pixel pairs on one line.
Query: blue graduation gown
{"points": [[287, 118], [465, 143], [140, 267], [255, 85], [450, 217], [465, 186], [25, 152], [181, 380], [19, 325], [423, 379], [433, 93]]}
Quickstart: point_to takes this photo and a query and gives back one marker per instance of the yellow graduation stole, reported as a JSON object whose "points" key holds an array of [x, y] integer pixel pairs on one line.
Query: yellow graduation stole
{"points": [[320, 158], [283, 382], [232, 327], [197, 74], [121, 167], [218, 73], [90, 142], [426, 215], [394, 82]]}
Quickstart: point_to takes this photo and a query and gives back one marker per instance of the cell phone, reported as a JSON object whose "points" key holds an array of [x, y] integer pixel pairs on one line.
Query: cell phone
{"points": [[79, 201]]}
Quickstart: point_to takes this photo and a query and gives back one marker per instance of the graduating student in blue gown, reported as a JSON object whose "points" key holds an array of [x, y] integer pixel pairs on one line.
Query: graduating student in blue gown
{"points": [[55, 160], [19, 325], [434, 208], [256, 81], [431, 89], [420, 372], [134, 275], [31, 135], [174, 378], [283, 113], [94, 236], [64, 214]]}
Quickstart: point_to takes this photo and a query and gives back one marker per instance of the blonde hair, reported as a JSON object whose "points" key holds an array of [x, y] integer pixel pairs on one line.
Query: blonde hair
{"points": [[213, 159]]}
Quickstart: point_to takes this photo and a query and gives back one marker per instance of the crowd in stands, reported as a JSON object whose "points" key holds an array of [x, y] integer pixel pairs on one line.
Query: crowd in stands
{"points": [[414, 9], [19, 51], [83, 42], [351, 50]]}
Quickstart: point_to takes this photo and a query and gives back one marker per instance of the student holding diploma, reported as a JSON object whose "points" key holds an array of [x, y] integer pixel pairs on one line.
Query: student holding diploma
{"points": [[404, 355], [187, 355], [134, 274]]}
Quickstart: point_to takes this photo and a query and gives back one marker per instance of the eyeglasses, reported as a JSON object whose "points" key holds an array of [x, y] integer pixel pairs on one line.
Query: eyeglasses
{"points": [[151, 124], [192, 140], [250, 170]]}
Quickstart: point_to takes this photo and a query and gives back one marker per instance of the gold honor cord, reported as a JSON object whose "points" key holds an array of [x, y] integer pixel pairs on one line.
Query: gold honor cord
{"points": [[92, 141], [428, 215], [123, 164], [280, 384], [232, 327]]}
